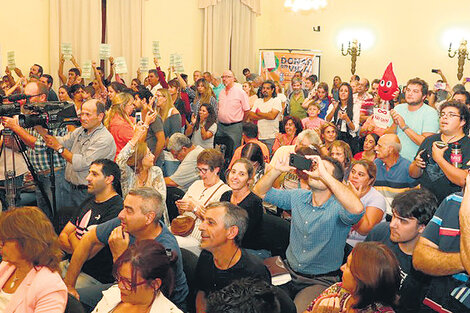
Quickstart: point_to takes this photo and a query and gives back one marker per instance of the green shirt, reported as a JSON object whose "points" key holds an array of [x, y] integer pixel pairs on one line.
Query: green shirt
{"points": [[296, 106]]}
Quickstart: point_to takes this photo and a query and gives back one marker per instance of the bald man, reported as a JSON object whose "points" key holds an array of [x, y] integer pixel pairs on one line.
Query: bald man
{"points": [[233, 106], [392, 169]]}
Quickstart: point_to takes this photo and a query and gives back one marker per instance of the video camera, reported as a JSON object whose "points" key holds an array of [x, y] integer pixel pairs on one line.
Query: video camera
{"points": [[49, 115]]}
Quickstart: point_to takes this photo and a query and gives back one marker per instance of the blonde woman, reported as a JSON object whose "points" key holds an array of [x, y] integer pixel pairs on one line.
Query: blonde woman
{"points": [[170, 116], [250, 91], [119, 121]]}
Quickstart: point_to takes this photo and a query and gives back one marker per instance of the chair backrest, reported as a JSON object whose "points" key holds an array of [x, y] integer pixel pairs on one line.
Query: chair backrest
{"points": [[73, 305], [275, 234], [189, 269]]}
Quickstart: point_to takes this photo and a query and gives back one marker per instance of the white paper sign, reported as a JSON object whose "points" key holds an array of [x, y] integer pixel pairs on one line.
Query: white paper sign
{"points": [[269, 59], [11, 60], [121, 65], [144, 64], [66, 49], [105, 51], [156, 49], [381, 117], [86, 69], [176, 61]]}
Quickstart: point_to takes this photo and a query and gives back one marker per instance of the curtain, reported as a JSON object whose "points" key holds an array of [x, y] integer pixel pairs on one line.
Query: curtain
{"points": [[76, 22], [124, 20], [229, 34]]}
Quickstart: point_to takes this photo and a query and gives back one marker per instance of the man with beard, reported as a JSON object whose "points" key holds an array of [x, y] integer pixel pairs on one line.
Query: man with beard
{"points": [[265, 110], [296, 98], [321, 220], [413, 121], [412, 210], [433, 164]]}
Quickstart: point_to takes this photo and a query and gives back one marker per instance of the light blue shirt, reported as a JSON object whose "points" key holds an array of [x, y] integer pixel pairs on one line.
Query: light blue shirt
{"points": [[423, 120], [317, 234]]}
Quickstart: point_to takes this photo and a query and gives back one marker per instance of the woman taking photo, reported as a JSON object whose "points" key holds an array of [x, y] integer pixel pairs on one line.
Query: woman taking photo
{"points": [[119, 121], [361, 179], [203, 127], [145, 281], [29, 277], [369, 148], [366, 287], [240, 179], [292, 127], [136, 162], [345, 115]]}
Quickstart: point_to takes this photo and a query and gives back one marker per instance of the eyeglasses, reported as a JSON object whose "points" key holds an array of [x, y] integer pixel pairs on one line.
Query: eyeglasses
{"points": [[226, 76], [449, 115], [127, 283], [202, 170]]}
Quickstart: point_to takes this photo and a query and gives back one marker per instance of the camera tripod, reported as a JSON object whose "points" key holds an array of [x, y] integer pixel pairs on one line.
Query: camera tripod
{"points": [[10, 174]]}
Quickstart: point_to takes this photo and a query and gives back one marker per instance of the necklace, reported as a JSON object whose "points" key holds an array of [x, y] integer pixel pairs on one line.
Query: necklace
{"points": [[15, 279]]}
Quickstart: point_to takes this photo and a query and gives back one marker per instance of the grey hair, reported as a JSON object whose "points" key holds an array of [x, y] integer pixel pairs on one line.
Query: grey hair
{"points": [[177, 141], [234, 216], [393, 141], [311, 135], [153, 201]]}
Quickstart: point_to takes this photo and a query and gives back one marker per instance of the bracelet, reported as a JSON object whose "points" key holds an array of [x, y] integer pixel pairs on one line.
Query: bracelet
{"points": [[405, 128]]}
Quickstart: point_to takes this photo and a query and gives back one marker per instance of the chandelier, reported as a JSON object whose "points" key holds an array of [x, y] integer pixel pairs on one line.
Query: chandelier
{"points": [[305, 5]]}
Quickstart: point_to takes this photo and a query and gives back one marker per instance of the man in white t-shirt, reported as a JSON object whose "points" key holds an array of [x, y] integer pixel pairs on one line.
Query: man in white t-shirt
{"points": [[265, 110]]}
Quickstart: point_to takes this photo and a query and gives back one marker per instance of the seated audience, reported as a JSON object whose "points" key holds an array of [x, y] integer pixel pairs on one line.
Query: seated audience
{"points": [[139, 220], [119, 121], [203, 127], [29, 277], [361, 180], [240, 180], [340, 151], [222, 260], [113, 89], [104, 204], [321, 220], [145, 281], [250, 134], [412, 210], [368, 287], [291, 129], [392, 169], [438, 168], [328, 134], [442, 252], [368, 153], [184, 151], [63, 94]]}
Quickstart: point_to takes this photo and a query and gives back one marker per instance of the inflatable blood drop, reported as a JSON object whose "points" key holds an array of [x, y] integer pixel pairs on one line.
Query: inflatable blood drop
{"points": [[388, 84]]}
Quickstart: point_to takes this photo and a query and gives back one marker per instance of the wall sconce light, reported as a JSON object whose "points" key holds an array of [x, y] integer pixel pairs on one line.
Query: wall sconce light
{"points": [[305, 5], [354, 51], [316, 29], [462, 53]]}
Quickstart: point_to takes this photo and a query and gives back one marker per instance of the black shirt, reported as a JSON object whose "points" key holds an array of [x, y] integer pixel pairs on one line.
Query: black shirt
{"points": [[413, 285], [209, 278], [89, 215], [254, 206]]}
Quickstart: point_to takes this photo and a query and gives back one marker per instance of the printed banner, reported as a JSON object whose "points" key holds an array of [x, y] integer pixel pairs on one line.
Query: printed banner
{"points": [[286, 64], [381, 117]]}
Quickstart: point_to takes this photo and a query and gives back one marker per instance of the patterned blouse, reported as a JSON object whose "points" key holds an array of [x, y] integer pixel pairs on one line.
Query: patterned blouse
{"points": [[129, 178], [343, 295]]}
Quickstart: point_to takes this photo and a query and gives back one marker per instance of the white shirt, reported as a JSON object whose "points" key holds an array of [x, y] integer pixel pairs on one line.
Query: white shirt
{"points": [[267, 129]]}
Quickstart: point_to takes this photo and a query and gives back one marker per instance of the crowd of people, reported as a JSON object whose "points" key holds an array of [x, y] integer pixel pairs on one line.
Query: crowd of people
{"points": [[172, 196]]}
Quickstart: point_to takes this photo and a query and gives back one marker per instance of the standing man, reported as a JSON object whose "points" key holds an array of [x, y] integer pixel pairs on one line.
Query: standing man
{"points": [[90, 142], [48, 80], [233, 105], [413, 121], [266, 110], [37, 151], [433, 164]]}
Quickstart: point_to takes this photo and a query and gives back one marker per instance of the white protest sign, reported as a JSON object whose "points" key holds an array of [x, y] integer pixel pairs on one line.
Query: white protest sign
{"points": [[269, 59], [105, 51], [86, 69], [11, 60], [381, 117], [144, 64], [156, 49], [121, 65], [66, 49]]}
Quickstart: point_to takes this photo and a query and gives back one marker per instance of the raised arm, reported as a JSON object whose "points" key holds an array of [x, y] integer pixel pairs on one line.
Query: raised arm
{"points": [[111, 69], [75, 63], [265, 183], [62, 77], [98, 76]]}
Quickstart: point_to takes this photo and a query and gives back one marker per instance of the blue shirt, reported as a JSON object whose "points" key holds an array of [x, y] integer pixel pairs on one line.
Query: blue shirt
{"points": [[166, 238], [317, 234], [396, 177]]}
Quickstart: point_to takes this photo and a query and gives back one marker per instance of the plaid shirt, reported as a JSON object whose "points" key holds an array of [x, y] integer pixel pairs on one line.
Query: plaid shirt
{"points": [[38, 154]]}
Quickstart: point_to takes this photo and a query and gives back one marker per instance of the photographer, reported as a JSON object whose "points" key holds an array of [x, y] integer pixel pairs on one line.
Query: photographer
{"points": [[37, 150], [433, 162], [90, 142]]}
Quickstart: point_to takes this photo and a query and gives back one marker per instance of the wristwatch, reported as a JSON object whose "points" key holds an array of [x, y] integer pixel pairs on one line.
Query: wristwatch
{"points": [[61, 150]]}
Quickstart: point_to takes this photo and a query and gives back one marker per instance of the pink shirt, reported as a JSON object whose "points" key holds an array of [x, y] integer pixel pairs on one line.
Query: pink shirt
{"points": [[232, 105], [307, 123]]}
